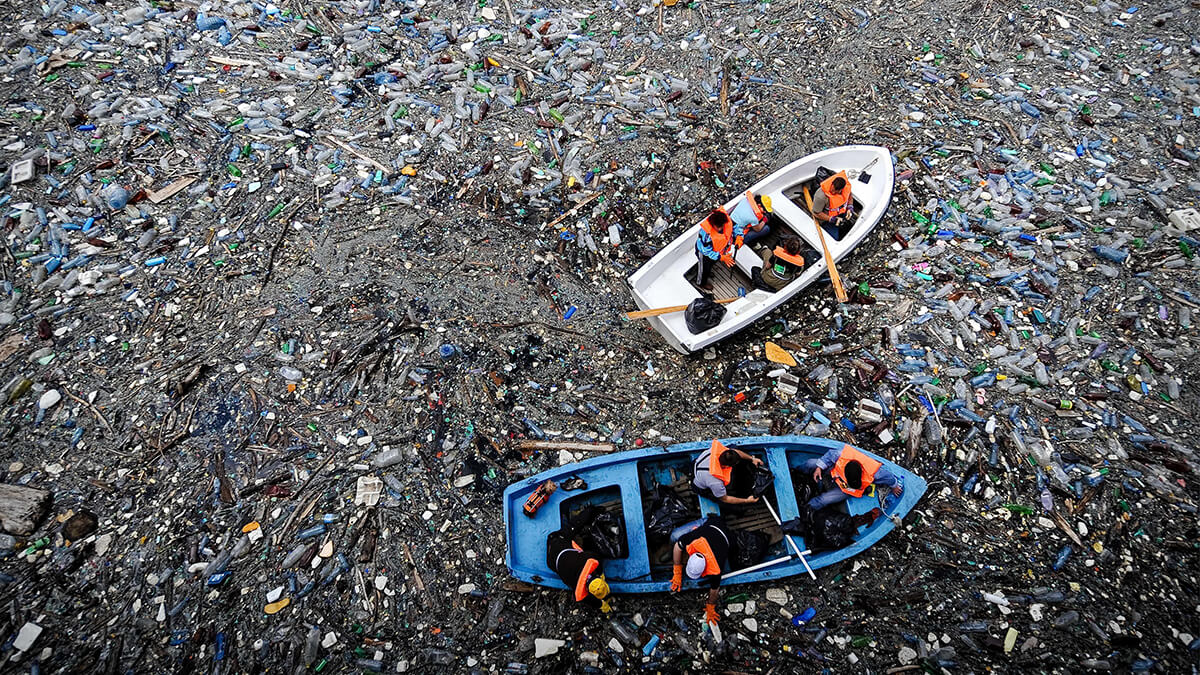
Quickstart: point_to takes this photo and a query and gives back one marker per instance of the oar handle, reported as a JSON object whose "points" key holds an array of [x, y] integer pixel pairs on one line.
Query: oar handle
{"points": [[790, 540]]}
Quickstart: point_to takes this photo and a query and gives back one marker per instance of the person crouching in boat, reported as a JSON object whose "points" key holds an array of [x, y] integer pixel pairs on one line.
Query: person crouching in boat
{"points": [[706, 549], [578, 569], [852, 473], [725, 475], [752, 217], [833, 203], [780, 267]]}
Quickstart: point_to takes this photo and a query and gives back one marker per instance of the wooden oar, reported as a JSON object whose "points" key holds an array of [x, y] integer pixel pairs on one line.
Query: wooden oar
{"points": [[838, 289], [642, 314]]}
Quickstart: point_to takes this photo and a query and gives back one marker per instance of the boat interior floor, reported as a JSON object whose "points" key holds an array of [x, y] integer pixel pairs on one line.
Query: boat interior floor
{"points": [[725, 281]]}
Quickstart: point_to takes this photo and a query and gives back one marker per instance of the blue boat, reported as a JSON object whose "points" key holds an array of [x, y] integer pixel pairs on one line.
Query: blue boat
{"points": [[621, 483]]}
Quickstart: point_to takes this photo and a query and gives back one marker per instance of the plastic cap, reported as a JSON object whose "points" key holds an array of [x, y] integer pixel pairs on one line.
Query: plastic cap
{"points": [[695, 565]]}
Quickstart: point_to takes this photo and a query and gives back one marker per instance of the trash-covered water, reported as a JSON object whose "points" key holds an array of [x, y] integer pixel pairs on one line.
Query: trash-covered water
{"points": [[289, 289]]}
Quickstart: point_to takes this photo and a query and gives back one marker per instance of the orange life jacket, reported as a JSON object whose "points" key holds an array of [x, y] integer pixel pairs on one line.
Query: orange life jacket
{"points": [[839, 202], [720, 240], [782, 254], [701, 546], [869, 467], [581, 584], [715, 467], [759, 214]]}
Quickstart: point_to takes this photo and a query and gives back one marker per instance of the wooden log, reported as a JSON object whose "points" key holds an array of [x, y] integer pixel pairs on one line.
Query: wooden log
{"points": [[21, 508], [569, 446]]}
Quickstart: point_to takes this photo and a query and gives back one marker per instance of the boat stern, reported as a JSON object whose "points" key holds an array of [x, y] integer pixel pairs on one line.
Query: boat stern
{"points": [[655, 322]]}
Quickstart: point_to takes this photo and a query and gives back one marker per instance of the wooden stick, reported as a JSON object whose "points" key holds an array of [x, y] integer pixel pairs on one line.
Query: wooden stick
{"points": [[91, 408], [789, 539], [366, 158], [573, 209], [569, 446], [642, 314], [838, 289]]}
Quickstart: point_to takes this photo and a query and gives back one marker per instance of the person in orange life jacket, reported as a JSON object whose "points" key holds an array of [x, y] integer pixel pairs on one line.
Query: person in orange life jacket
{"points": [[579, 570], [852, 472], [833, 202], [720, 471], [707, 551], [780, 266], [751, 216], [715, 242]]}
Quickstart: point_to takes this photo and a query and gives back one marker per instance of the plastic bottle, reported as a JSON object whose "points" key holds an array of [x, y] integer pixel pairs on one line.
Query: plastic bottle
{"points": [[388, 457], [1061, 558], [314, 531], [1111, 254], [116, 197]]}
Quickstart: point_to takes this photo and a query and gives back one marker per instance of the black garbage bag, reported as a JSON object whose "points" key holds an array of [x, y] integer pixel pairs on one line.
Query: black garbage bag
{"points": [[598, 530], [749, 548], [667, 512], [703, 314], [605, 537], [832, 528], [805, 486], [763, 480], [580, 521]]}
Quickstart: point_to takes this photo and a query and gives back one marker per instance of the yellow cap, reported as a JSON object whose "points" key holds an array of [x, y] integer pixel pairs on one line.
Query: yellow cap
{"points": [[598, 587], [766, 202]]}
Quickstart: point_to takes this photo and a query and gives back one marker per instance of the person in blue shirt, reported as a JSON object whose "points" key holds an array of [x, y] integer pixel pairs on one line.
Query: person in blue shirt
{"points": [[751, 218], [715, 242], [723, 232], [852, 472]]}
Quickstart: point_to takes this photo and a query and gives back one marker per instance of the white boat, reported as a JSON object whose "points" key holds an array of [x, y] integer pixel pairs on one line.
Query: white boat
{"points": [[668, 279]]}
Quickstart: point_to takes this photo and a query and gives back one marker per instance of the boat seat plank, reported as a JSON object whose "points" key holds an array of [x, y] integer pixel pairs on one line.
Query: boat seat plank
{"points": [[637, 565]]}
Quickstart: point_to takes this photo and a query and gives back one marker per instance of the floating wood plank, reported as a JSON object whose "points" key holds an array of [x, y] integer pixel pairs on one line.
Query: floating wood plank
{"points": [[233, 63], [366, 158], [569, 446], [573, 209], [21, 508], [172, 189]]}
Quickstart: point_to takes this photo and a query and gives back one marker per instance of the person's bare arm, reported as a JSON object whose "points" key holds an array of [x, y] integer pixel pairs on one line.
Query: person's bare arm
{"points": [[730, 499], [713, 595], [819, 205], [677, 554], [754, 460]]}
